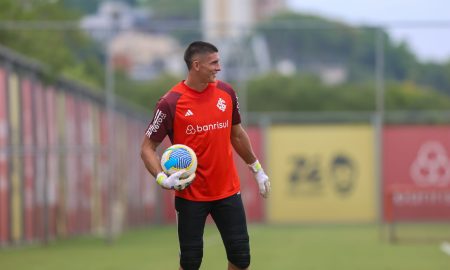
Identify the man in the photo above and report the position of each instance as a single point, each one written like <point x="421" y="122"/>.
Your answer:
<point x="202" y="113"/>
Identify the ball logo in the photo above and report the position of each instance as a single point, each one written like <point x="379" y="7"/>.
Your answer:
<point x="221" y="104"/>
<point x="179" y="158"/>
<point x="431" y="166"/>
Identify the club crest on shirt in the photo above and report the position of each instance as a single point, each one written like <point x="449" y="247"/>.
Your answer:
<point x="221" y="104"/>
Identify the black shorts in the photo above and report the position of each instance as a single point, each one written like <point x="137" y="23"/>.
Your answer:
<point x="227" y="213"/>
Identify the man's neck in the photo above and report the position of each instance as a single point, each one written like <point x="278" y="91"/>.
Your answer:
<point x="198" y="86"/>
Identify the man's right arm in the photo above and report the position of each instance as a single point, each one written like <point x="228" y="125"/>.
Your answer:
<point x="153" y="164"/>
<point x="149" y="157"/>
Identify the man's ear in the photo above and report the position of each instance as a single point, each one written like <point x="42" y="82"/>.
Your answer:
<point x="196" y="65"/>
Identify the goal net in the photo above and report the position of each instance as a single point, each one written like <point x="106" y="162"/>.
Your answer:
<point x="418" y="214"/>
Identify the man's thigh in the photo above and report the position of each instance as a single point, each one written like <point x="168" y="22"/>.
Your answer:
<point x="229" y="216"/>
<point x="191" y="218"/>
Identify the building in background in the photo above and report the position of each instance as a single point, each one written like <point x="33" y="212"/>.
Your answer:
<point x="223" y="19"/>
<point x="143" y="56"/>
<point x="229" y="23"/>
<point x="113" y="16"/>
<point x="134" y="49"/>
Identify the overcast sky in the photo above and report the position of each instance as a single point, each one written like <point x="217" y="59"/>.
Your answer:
<point x="430" y="41"/>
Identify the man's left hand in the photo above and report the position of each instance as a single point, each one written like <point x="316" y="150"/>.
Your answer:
<point x="261" y="179"/>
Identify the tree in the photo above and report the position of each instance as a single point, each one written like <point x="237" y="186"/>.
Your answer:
<point x="68" y="52"/>
<point x="187" y="10"/>
<point x="144" y="94"/>
<point x="274" y="92"/>
<point x="312" y="42"/>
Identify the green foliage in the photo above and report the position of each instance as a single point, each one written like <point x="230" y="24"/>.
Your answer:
<point x="275" y="92"/>
<point x="144" y="94"/>
<point x="173" y="9"/>
<point x="83" y="6"/>
<point x="89" y="6"/>
<point x="69" y="52"/>
<point x="309" y="40"/>
<point x="434" y="74"/>
<point x="184" y="13"/>
<point x="410" y="96"/>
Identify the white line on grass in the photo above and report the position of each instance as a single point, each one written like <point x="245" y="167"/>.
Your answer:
<point x="445" y="247"/>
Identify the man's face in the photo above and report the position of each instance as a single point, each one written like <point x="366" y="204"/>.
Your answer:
<point x="207" y="67"/>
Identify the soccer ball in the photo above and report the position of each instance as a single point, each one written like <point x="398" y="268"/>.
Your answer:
<point x="178" y="157"/>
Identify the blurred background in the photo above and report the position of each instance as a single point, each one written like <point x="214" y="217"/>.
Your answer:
<point x="347" y="104"/>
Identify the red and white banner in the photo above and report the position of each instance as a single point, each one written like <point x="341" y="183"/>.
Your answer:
<point x="52" y="159"/>
<point x="28" y="160"/>
<point x="416" y="173"/>
<point x="87" y="162"/>
<point x="40" y="170"/>
<point x="253" y="202"/>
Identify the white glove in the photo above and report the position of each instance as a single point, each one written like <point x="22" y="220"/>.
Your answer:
<point x="173" y="181"/>
<point x="261" y="178"/>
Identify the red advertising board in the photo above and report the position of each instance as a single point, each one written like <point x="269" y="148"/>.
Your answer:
<point x="104" y="169"/>
<point x="76" y="150"/>
<point x="40" y="170"/>
<point x="52" y="159"/>
<point x="71" y="167"/>
<point x="416" y="173"/>
<point x="29" y="174"/>
<point x="253" y="202"/>
<point x="149" y="187"/>
<point x="87" y="162"/>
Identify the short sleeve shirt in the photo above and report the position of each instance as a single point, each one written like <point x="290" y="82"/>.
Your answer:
<point x="202" y="121"/>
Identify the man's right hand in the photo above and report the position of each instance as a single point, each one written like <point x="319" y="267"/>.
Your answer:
<point x="173" y="181"/>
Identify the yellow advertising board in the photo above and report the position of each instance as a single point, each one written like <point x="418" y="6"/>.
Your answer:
<point x="16" y="167"/>
<point x="321" y="173"/>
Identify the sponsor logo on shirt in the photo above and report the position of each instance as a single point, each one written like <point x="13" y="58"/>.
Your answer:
<point x="194" y="129"/>
<point x="189" y="113"/>
<point x="221" y="104"/>
<point x="156" y="123"/>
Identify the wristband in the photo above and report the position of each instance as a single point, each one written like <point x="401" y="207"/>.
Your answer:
<point x="255" y="166"/>
<point x="160" y="177"/>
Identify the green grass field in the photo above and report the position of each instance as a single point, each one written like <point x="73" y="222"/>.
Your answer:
<point x="356" y="247"/>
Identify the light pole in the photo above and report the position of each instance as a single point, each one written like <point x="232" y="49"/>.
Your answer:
<point x="379" y="119"/>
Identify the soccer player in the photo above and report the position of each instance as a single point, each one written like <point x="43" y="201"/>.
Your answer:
<point x="203" y="113"/>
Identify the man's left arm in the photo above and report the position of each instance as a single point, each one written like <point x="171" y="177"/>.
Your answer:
<point x="242" y="145"/>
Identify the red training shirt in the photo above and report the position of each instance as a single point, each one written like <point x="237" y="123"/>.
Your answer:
<point x="202" y="121"/>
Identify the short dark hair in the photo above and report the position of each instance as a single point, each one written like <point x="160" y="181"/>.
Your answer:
<point x="197" y="47"/>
